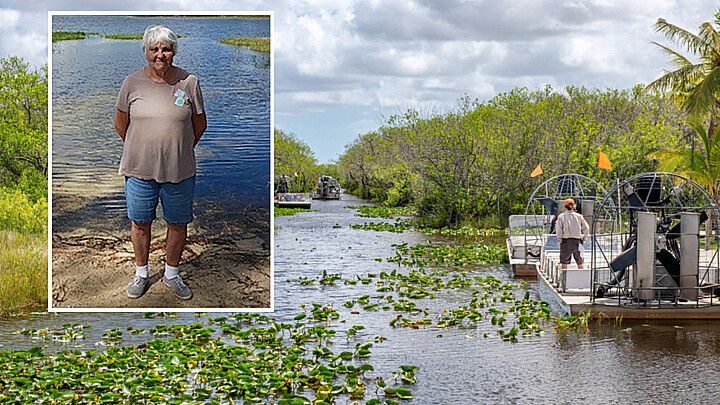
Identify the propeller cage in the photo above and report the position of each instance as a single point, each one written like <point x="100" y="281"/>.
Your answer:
<point x="652" y="240"/>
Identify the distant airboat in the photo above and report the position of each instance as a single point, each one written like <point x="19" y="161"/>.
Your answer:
<point x="286" y="199"/>
<point x="327" y="188"/>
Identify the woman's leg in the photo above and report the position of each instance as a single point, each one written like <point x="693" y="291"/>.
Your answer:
<point x="140" y="236"/>
<point x="177" y="201"/>
<point x="176" y="235"/>
<point x="141" y="196"/>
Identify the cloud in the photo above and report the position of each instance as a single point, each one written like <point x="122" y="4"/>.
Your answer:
<point x="381" y="54"/>
<point x="18" y="36"/>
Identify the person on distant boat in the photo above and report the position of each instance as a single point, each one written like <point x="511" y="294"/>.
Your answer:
<point x="160" y="117"/>
<point x="572" y="230"/>
<point x="283" y="187"/>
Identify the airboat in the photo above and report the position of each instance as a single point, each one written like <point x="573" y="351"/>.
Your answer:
<point x="327" y="188"/>
<point x="530" y="233"/>
<point x="286" y="199"/>
<point x="652" y="252"/>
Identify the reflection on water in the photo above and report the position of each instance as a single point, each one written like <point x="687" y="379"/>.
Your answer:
<point x="233" y="158"/>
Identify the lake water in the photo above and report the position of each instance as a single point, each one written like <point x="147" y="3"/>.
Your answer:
<point x="233" y="157"/>
<point x="636" y="362"/>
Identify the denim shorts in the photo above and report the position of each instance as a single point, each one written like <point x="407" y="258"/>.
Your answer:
<point x="176" y="198"/>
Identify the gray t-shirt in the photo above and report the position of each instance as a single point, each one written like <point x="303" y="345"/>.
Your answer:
<point x="160" y="136"/>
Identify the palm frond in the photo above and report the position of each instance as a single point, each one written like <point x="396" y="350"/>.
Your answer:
<point x="677" y="79"/>
<point x="676" y="58"/>
<point x="711" y="37"/>
<point x="703" y="95"/>
<point x="687" y="39"/>
<point x="701" y="164"/>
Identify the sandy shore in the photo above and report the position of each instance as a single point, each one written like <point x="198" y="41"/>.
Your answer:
<point x="225" y="263"/>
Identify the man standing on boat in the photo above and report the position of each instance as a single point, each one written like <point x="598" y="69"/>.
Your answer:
<point x="571" y="230"/>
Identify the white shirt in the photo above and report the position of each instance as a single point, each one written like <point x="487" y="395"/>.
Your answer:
<point x="570" y="224"/>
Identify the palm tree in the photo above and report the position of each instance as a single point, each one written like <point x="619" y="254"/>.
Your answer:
<point x="702" y="165"/>
<point x="696" y="86"/>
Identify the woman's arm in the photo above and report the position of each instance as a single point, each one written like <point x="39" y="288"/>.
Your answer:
<point x="122" y="121"/>
<point x="199" y="122"/>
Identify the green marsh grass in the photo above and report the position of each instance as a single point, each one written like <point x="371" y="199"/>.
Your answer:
<point x="67" y="35"/>
<point x="257" y="44"/>
<point x="23" y="279"/>
<point x="23" y="251"/>
<point x="124" y="36"/>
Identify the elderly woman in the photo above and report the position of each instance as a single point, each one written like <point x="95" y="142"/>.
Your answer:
<point x="160" y="117"/>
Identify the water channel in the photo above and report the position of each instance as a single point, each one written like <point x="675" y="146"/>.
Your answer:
<point x="635" y="362"/>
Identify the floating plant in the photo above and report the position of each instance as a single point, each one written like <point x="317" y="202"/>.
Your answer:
<point x="370" y="211"/>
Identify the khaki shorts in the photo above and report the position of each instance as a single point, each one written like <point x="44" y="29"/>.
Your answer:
<point x="569" y="247"/>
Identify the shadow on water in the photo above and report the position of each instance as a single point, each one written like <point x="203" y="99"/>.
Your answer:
<point x="72" y="213"/>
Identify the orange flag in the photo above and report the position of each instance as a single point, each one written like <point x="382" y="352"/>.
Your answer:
<point x="536" y="172"/>
<point x="604" y="162"/>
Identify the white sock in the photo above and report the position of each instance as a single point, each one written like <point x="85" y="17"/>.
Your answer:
<point x="142" y="271"/>
<point x="171" y="271"/>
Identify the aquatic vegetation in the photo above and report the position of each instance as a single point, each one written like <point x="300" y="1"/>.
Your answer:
<point x="67" y="35"/>
<point x="398" y="226"/>
<point x="66" y="333"/>
<point x="455" y="255"/>
<point x="491" y="235"/>
<point x="324" y="279"/>
<point x="465" y="231"/>
<point x="281" y="211"/>
<point x="124" y="36"/>
<point x="572" y="322"/>
<point x="71" y="35"/>
<point x="257" y="44"/>
<point x="160" y="315"/>
<point x="373" y="211"/>
<point x="493" y="300"/>
<point x="111" y="338"/>
<point x="196" y="364"/>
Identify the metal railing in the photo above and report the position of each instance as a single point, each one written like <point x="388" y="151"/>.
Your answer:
<point x="664" y="297"/>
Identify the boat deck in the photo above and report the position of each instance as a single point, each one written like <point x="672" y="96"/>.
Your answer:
<point x="612" y="307"/>
<point x="570" y="290"/>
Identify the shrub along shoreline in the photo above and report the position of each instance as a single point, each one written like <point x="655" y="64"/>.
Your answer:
<point x="472" y="165"/>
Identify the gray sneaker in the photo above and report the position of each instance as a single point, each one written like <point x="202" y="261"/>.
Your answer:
<point x="137" y="287"/>
<point x="182" y="291"/>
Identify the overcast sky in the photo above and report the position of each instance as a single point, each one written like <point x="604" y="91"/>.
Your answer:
<point x="341" y="66"/>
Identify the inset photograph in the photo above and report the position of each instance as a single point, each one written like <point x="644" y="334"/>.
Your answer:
<point x="160" y="162"/>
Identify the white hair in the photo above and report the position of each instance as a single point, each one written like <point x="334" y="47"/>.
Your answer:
<point x="158" y="34"/>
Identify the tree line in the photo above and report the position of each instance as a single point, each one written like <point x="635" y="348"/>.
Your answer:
<point x="472" y="165"/>
<point x="23" y="146"/>
<point x="295" y="159"/>
<point x="23" y="127"/>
